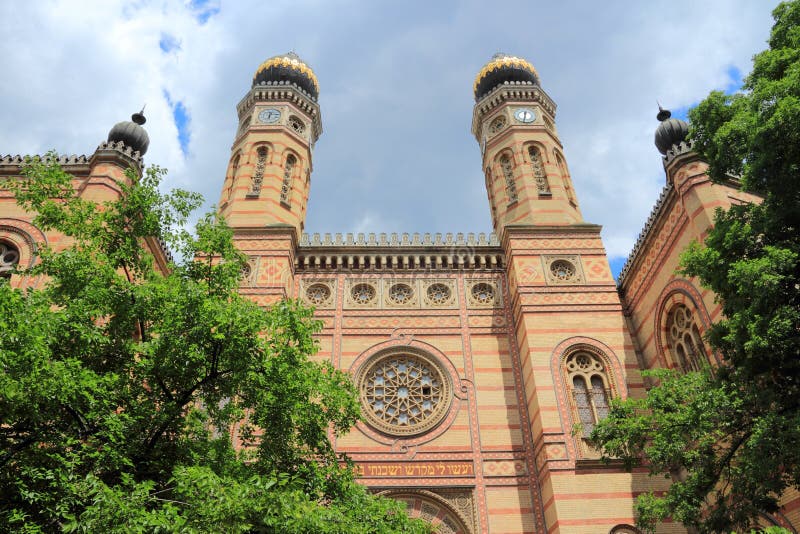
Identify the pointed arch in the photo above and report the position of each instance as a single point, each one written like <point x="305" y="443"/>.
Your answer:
<point x="233" y="170"/>
<point x="681" y="321"/>
<point x="536" y="159"/>
<point x="565" y="178"/>
<point x="505" y="160"/>
<point x="289" y="170"/>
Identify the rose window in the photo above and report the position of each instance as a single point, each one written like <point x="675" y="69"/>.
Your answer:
<point x="9" y="258"/>
<point x="362" y="293"/>
<point x="439" y="293"/>
<point x="318" y="294"/>
<point x="404" y="393"/>
<point x="400" y="293"/>
<point x="562" y="270"/>
<point x="483" y="293"/>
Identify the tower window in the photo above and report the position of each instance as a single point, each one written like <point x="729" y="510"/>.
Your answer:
<point x="539" y="176"/>
<point x="685" y="342"/>
<point x="508" y="173"/>
<point x="286" y="188"/>
<point x="297" y="125"/>
<point x="497" y="124"/>
<point x="562" y="167"/>
<point x="9" y="259"/>
<point x="590" y="389"/>
<point x="258" y="176"/>
<point x="232" y="180"/>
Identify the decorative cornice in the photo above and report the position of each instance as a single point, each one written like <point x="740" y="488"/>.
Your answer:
<point x="645" y="233"/>
<point x="406" y="252"/>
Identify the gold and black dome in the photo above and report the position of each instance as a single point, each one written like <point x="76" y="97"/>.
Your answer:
<point x="287" y="68"/>
<point x="501" y="69"/>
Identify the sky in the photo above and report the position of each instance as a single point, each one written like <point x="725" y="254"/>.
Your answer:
<point x="396" y="153"/>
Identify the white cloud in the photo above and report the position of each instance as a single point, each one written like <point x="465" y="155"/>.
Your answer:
<point x="396" y="99"/>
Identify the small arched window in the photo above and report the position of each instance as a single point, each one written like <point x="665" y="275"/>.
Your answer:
<point x="490" y="191"/>
<point x="539" y="174"/>
<point x="508" y="173"/>
<point x="9" y="259"/>
<point x="684" y="339"/>
<point x="625" y="529"/>
<point x="591" y="389"/>
<point x="232" y="179"/>
<point x="286" y="188"/>
<point x="261" y="163"/>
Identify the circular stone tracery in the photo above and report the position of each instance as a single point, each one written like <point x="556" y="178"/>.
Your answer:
<point x="439" y="293"/>
<point x="318" y="294"/>
<point x="362" y="293"/>
<point x="562" y="270"/>
<point x="483" y="293"/>
<point x="400" y="293"/>
<point x="404" y="393"/>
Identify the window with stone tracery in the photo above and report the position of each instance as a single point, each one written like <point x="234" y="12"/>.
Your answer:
<point x="684" y="339"/>
<point x="404" y="393"/>
<point x="286" y="188"/>
<point x="508" y="173"/>
<point x="539" y="175"/>
<point x="9" y="259"/>
<point x="591" y="390"/>
<point x="258" y="176"/>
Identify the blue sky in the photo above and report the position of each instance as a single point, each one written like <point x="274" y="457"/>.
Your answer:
<point x="395" y="78"/>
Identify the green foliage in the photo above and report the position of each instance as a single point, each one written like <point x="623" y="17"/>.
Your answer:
<point x="729" y="438"/>
<point x="120" y="382"/>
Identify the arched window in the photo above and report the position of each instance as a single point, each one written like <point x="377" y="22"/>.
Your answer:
<point x="508" y="173"/>
<point x="539" y="175"/>
<point x="562" y="167"/>
<point x="232" y="180"/>
<point x="591" y="389"/>
<point x="684" y="339"/>
<point x="286" y="188"/>
<point x="9" y="258"/>
<point x="258" y="175"/>
<point x="490" y="190"/>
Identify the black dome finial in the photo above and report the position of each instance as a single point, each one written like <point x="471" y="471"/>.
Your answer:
<point x="663" y="114"/>
<point x="139" y="118"/>
<point x="670" y="132"/>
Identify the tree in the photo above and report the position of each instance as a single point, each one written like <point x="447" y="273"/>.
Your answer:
<point x="119" y="383"/>
<point x="728" y="436"/>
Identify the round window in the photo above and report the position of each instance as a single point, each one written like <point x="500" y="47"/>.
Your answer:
<point x="401" y="293"/>
<point x="439" y="293"/>
<point x="362" y="293"/>
<point x="483" y="293"/>
<point x="318" y="294"/>
<point x="562" y="270"/>
<point x="404" y="393"/>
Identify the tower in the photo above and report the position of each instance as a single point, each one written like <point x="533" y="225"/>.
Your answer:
<point x="514" y="122"/>
<point x="269" y="171"/>
<point x="265" y="191"/>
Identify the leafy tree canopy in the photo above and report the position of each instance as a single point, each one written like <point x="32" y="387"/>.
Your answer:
<point x="120" y="383"/>
<point x="729" y="436"/>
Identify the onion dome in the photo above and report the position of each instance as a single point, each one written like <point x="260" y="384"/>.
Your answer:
<point x="287" y="68"/>
<point x="670" y="132"/>
<point x="131" y="133"/>
<point x="501" y="69"/>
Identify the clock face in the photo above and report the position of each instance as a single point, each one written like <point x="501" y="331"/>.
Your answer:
<point x="269" y="116"/>
<point x="525" y="115"/>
